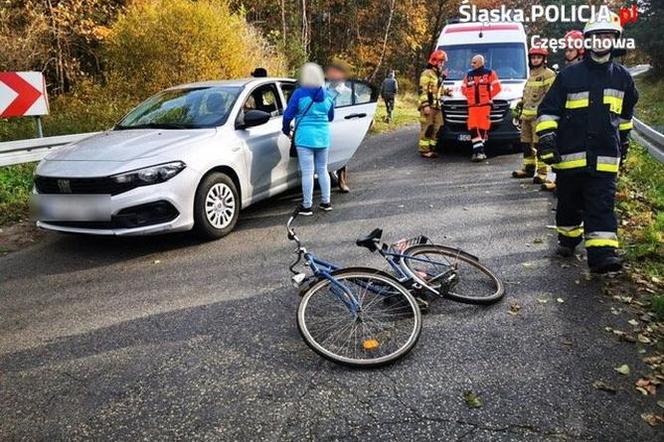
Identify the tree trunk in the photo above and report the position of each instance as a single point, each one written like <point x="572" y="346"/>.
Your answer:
<point x="387" y="32"/>
<point x="283" y="22"/>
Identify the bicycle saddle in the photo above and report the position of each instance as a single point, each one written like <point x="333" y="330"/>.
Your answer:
<point x="370" y="241"/>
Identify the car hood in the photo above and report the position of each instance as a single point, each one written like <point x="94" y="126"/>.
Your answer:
<point x="127" y="145"/>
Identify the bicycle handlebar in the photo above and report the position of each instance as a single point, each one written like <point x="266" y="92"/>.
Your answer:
<point x="293" y="237"/>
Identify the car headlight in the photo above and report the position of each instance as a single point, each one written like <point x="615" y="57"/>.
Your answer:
<point x="150" y="175"/>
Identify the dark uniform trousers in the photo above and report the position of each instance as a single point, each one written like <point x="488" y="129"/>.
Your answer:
<point x="586" y="202"/>
<point x="590" y="108"/>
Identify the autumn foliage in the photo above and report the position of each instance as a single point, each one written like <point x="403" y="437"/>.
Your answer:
<point x="157" y="44"/>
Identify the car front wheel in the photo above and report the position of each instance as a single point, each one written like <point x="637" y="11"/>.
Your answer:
<point x="216" y="206"/>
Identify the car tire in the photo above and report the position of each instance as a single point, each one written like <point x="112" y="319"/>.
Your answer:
<point x="216" y="206"/>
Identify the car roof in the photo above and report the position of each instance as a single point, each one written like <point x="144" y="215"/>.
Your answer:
<point x="238" y="82"/>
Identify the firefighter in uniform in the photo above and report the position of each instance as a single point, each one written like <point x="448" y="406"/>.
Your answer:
<point x="431" y="91"/>
<point x="479" y="87"/>
<point x="574" y="51"/>
<point x="540" y="80"/>
<point x="583" y="125"/>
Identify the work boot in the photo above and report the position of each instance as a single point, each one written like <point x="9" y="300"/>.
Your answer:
<point x="478" y="156"/>
<point x="564" y="251"/>
<point x="343" y="180"/>
<point x="426" y="154"/>
<point x="549" y="186"/>
<point x="539" y="179"/>
<point x="611" y="263"/>
<point x="522" y="173"/>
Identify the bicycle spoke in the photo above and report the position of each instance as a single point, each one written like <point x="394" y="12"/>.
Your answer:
<point x="385" y="325"/>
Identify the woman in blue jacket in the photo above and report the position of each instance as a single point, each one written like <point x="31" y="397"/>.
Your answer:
<point x="312" y="108"/>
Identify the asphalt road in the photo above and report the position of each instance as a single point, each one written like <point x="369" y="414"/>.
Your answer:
<point x="169" y="338"/>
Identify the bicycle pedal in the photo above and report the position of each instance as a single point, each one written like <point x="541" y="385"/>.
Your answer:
<point x="298" y="279"/>
<point x="423" y="304"/>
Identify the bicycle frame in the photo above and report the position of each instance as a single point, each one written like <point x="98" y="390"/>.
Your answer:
<point x="409" y="279"/>
<point x="322" y="269"/>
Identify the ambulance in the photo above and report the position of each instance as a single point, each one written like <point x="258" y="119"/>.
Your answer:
<point x="505" y="49"/>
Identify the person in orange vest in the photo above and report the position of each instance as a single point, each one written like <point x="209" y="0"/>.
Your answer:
<point x="479" y="87"/>
<point x="574" y="51"/>
<point x="431" y="91"/>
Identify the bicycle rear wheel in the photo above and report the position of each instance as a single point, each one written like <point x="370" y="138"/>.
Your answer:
<point x="385" y="328"/>
<point x="453" y="274"/>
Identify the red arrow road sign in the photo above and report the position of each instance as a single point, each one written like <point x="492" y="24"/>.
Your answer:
<point x="27" y="95"/>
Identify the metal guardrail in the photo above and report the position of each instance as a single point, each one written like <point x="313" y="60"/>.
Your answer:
<point x="34" y="149"/>
<point x="644" y="134"/>
<point x="650" y="138"/>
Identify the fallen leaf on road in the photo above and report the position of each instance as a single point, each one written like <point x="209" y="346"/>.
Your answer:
<point x="514" y="309"/>
<point x="542" y="300"/>
<point x="538" y="241"/>
<point x="600" y="385"/>
<point x="560" y="300"/>
<point x="633" y="322"/>
<point x="564" y="266"/>
<point x="623" y="369"/>
<point x="652" y="419"/>
<point x="527" y="264"/>
<point x="618" y="332"/>
<point x="646" y="386"/>
<point x="643" y="339"/>
<point x="660" y="404"/>
<point x="156" y="261"/>
<point x="472" y="400"/>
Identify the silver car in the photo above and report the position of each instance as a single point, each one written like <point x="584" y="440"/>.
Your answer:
<point x="191" y="156"/>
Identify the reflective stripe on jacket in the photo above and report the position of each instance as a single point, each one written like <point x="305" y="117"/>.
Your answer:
<point x="590" y="105"/>
<point x="480" y="86"/>
<point x="430" y="89"/>
<point x="538" y="84"/>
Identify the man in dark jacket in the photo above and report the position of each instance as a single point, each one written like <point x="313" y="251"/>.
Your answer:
<point x="583" y="125"/>
<point x="388" y="91"/>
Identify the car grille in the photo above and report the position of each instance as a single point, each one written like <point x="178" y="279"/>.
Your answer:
<point x="104" y="185"/>
<point x="456" y="111"/>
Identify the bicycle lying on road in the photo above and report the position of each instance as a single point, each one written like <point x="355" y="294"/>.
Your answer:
<point x="365" y="317"/>
<point x="425" y="269"/>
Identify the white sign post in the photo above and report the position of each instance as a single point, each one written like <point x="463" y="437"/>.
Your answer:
<point x="23" y="94"/>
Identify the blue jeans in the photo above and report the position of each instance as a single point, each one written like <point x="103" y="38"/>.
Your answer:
<point x="310" y="160"/>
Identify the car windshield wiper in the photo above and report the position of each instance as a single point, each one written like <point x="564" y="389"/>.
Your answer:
<point x="159" y="126"/>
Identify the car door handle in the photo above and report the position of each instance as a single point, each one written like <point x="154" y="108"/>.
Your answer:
<point x="348" y="117"/>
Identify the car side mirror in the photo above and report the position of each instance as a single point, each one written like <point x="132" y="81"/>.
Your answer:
<point x="254" y="118"/>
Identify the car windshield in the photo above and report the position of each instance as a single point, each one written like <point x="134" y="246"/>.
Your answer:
<point x="507" y="59"/>
<point x="187" y="108"/>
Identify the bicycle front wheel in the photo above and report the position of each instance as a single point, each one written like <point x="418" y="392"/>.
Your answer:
<point x="361" y="318"/>
<point x="453" y="274"/>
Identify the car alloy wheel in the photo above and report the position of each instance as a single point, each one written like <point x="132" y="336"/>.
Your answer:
<point x="220" y="205"/>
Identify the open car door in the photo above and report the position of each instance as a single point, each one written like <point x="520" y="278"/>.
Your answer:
<point x="355" y="105"/>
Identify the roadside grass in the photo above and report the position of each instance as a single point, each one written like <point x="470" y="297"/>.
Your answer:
<point x="405" y="113"/>
<point x="15" y="187"/>
<point x="640" y="202"/>
<point x="650" y="107"/>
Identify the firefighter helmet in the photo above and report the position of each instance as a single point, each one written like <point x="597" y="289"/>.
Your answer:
<point x="571" y="38"/>
<point x="604" y="24"/>
<point x="438" y="56"/>
<point x="536" y="50"/>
